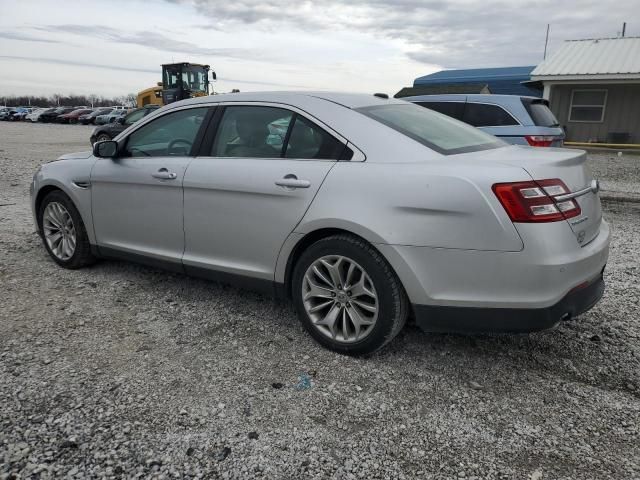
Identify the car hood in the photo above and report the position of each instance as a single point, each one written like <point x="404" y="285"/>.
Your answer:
<point x="75" y="156"/>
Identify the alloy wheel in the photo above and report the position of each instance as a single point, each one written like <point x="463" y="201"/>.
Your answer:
<point x="59" y="231"/>
<point x="340" y="298"/>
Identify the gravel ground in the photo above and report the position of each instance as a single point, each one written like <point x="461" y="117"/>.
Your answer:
<point x="121" y="371"/>
<point x="618" y="174"/>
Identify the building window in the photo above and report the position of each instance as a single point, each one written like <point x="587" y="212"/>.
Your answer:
<point x="587" y="106"/>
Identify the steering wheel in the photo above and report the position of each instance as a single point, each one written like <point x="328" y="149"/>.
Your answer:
<point x="173" y="142"/>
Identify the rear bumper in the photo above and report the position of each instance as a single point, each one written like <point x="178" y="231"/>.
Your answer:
<point x="548" y="268"/>
<point x="434" y="318"/>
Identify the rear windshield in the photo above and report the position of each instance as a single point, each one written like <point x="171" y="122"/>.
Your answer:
<point x="439" y="132"/>
<point x="540" y="113"/>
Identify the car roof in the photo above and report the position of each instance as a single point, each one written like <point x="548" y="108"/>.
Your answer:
<point x="348" y="100"/>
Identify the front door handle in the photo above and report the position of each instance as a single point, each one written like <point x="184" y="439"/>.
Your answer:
<point x="164" y="174"/>
<point x="291" y="181"/>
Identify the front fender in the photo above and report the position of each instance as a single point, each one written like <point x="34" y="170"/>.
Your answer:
<point x="71" y="177"/>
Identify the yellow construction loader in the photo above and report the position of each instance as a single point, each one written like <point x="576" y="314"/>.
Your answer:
<point x="179" y="81"/>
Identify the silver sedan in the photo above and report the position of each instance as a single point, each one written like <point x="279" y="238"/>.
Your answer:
<point x="365" y="211"/>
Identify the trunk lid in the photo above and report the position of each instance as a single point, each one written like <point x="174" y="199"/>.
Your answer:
<point x="569" y="166"/>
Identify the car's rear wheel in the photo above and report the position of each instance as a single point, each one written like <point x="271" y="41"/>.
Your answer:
<point x="347" y="296"/>
<point x="63" y="232"/>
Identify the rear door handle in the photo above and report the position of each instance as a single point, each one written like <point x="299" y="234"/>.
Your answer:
<point x="164" y="174"/>
<point x="291" y="181"/>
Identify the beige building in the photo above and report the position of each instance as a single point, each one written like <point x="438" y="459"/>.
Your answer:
<point x="593" y="87"/>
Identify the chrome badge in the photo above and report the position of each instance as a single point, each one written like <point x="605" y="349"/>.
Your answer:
<point x="581" y="236"/>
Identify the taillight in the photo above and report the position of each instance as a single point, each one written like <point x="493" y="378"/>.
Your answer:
<point x="533" y="201"/>
<point x="539" y="140"/>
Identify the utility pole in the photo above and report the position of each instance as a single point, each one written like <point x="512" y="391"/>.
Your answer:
<point x="546" y="41"/>
<point x="624" y="28"/>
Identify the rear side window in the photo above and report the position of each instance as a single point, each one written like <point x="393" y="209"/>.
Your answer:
<point x="307" y="141"/>
<point x="451" y="109"/>
<point x="254" y="132"/>
<point x="439" y="132"/>
<point x="269" y="132"/>
<point x="484" y="115"/>
<point x="540" y="113"/>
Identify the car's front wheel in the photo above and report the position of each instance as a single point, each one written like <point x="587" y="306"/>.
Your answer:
<point x="63" y="232"/>
<point x="102" y="137"/>
<point x="347" y="296"/>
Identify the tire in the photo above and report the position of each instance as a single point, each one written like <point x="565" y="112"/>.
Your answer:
<point x="390" y="302"/>
<point x="81" y="255"/>
<point x="102" y="137"/>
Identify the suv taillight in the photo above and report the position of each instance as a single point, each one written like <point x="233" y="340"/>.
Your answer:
<point x="539" y="140"/>
<point x="533" y="201"/>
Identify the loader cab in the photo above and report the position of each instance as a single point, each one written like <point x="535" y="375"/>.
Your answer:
<point x="184" y="80"/>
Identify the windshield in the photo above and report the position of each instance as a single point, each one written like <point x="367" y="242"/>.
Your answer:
<point x="191" y="78"/>
<point x="540" y="113"/>
<point x="437" y="131"/>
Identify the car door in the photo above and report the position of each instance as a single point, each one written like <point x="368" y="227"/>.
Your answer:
<point x="137" y="197"/>
<point x="251" y="187"/>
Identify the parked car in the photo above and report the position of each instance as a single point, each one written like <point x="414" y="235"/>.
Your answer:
<point x="515" y="119"/>
<point x="72" y="117"/>
<point x="17" y="113"/>
<point x="364" y="211"/>
<point x="122" y="122"/>
<point x="110" y="117"/>
<point x="52" y="115"/>
<point x="35" y="115"/>
<point x="89" y="118"/>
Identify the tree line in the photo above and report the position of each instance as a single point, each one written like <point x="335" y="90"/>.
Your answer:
<point x="58" y="99"/>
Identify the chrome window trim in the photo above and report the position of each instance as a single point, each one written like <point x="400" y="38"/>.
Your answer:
<point x="358" y="155"/>
<point x="150" y="117"/>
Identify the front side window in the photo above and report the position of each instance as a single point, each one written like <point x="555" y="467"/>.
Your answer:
<point x="587" y="105"/>
<point x="439" y="132"/>
<point x="172" y="134"/>
<point x="484" y="115"/>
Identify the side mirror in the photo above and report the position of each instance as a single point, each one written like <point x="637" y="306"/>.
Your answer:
<point x="213" y="75"/>
<point x="105" y="149"/>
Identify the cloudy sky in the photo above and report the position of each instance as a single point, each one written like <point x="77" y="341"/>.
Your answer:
<point x="115" y="47"/>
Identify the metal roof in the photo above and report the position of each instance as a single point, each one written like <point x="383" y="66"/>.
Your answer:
<point x="476" y="75"/>
<point x="607" y="57"/>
